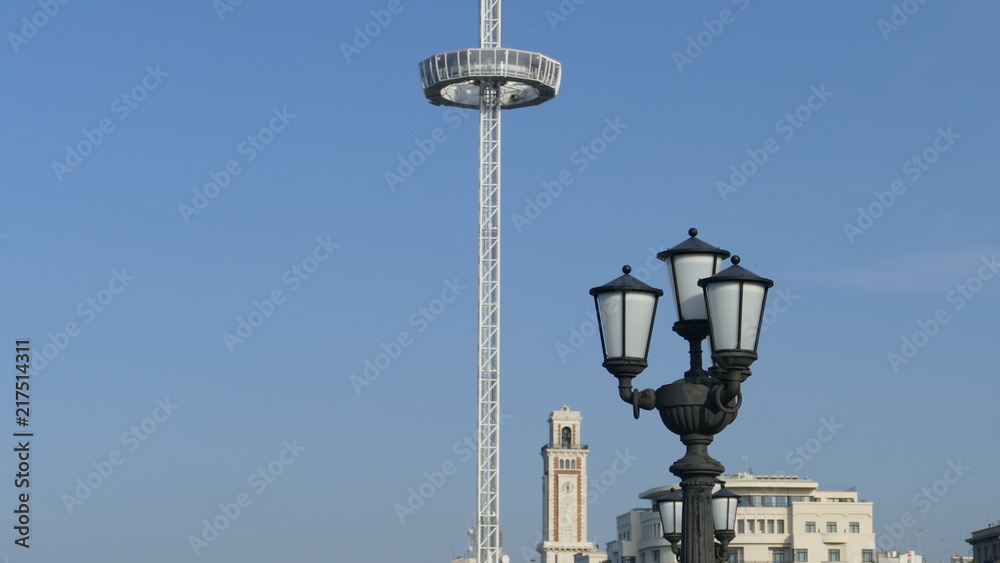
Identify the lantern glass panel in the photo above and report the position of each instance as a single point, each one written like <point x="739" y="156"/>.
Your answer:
<point x="686" y="270"/>
<point x="724" y="299"/>
<point x="753" y="309"/>
<point x="639" y="309"/>
<point x="611" y="310"/>
<point x="724" y="512"/>
<point x="670" y="516"/>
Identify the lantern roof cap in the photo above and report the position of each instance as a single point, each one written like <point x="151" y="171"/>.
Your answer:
<point x="692" y="245"/>
<point x="626" y="282"/>
<point x="736" y="273"/>
<point x="671" y="495"/>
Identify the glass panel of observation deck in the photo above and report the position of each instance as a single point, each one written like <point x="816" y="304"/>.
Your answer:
<point x="525" y="64"/>
<point x="475" y="62"/>
<point x="428" y="72"/>
<point x="489" y="60"/>
<point x="515" y="64"/>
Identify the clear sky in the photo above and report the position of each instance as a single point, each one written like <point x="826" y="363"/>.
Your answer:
<point x="200" y="242"/>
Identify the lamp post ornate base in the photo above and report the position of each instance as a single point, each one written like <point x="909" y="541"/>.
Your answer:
<point x="694" y="409"/>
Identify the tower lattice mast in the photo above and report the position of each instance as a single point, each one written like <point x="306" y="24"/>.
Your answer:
<point x="489" y="79"/>
<point x="488" y="479"/>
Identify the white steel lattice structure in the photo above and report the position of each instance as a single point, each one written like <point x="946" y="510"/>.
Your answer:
<point x="489" y="79"/>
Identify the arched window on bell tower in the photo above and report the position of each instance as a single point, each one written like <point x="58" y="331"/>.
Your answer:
<point x="567" y="436"/>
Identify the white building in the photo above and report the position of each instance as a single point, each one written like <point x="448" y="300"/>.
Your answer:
<point x="564" y="493"/>
<point x="781" y="519"/>
<point x="898" y="557"/>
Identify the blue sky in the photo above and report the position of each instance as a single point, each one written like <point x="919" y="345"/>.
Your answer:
<point x="874" y="213"/>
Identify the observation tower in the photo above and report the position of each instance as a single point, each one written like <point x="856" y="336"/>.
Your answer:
<point x="489" y="79"/>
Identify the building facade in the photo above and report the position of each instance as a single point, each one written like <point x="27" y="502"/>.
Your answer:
<point x="986" y="544"/>
<point x="564" y="490"/>
<point x="898" y="557"/>
<point x="781" y="519"/>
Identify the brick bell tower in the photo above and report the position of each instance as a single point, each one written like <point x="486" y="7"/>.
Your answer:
<point x="564" y="490"/>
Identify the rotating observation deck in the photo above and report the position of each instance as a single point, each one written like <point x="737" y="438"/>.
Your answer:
<point x="521" y="78"/>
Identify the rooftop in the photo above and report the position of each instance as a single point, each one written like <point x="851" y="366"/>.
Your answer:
<point x="741" y="482"/>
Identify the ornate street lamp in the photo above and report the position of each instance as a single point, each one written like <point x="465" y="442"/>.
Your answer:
<point x="702" y="403"/>
<point x="687" y="263"/>
<point x="724" y="503"/>
<point x="735" y="299"/>
<point x="626" y="307"/>
<point x="670" y="507"/>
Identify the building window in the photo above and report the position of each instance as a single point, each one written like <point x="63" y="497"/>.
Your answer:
<point x="567" y="435"/>
<point x="855" y="528"/>
<point x="810" y="527"/>
<point x="750" y="522"/>
<point x="801" y="555"/>
<point x="833" y="555"/>
<point x="831" y="528"/>
<point x="777" y="556"/>
<point x="656" y="556"/>
<point x="867" y="555"/>
<point x="781" y="526"/>
<point x="775" y="501"/>
<point x="770" y="526"/>
<point x="760" y="526"/>
<point x="735" y="555"/>
<point x="740" y="527"/>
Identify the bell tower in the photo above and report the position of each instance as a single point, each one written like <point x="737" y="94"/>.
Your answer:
<point x="564" y="490"/>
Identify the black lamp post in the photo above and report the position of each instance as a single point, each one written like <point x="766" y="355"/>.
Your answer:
<point x="726" y="306"/>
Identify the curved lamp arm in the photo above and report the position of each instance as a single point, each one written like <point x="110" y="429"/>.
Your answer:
<point x="722" y="547"/>
<point x="645" y="399"/>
